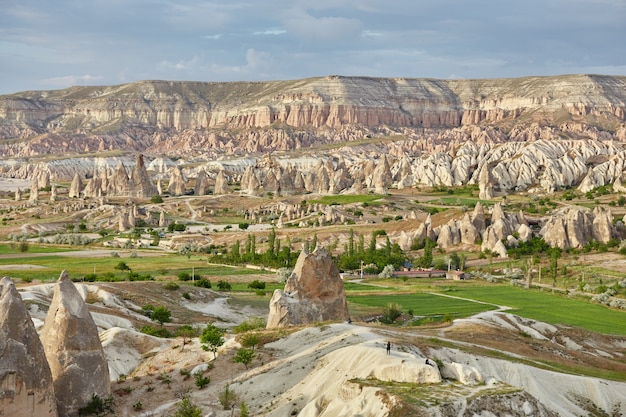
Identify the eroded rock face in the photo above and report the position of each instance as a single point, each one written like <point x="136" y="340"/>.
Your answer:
<point x="25" y="377"/>
<point x="313" y="293"/>
<point x="73" y="349"/>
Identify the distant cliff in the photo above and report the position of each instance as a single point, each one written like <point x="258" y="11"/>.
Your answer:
<point x="241" y="117"/>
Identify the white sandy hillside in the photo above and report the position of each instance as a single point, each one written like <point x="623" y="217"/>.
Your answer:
<point x="312" y="378"/>
<point x="560" y="392"/>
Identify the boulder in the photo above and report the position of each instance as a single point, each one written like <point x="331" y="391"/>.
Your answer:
<point x="25" y="377"/>
<point x="313" y="293"/>
<point x="525" y="232"/>
<point x="73" y="349"/>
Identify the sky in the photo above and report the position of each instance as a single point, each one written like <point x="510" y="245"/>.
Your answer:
<point x="54" y="44"/>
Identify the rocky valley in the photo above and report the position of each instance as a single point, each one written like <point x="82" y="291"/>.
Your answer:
<point x="514" y="183"/>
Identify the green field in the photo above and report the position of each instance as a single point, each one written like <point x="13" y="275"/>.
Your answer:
<point x="167" y="265"/>
<point x="12" y="249"/>
<point x="423" y="304"/>
<point x="547" y="307"/>
<point x="347" y="199"/>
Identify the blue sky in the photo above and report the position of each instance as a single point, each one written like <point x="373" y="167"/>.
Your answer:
<point x="46" y="44"/>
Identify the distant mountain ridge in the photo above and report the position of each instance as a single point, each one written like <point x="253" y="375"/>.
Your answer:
<point x="159" y="114"/>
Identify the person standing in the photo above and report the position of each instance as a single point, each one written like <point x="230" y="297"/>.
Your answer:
<point x="388" y="348"/>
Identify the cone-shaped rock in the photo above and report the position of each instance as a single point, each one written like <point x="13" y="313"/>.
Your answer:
<point x="221" y="184"/>
<point x="141" y="181"/>
<point x="202" y="183"/>
<point x="73" y="349"/>
<point x="314" y="292"/>
<point x="176" y="185"/>
<point x="25" y="376"/>
<point x="76" y="188"/>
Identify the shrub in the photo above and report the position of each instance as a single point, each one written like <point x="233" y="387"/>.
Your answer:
<point x="184" y="276"/>
<point x="201" y="381"/>
<point x="247" y="325"/>
<point x="161" y="315"/>
<point x="185" y="408"/>
<point x="97" y="406"/>
<point x="250" y="340"/>
<point x="391" y="312"/>
<point x="171" y="285"/>
<point x="223" y="285"/>
<point x="122" y="266"/>
<point x="228" y="398"/>
<point x="160" y="332"/>
<point x="283" y="273"/>
<point x="203" y="283"/>
<point x="244" y="356"/>
<point x="156" y="199"/>
<point x="256" y="284"/>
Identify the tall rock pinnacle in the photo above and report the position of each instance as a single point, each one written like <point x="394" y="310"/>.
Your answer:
<point x="72" y="345"/>
<point x="25" y="376"/>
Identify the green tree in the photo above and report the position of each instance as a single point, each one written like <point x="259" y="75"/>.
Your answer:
<point x="212" y="338"/>
<point x="122" y="266"/>
<point x="185" y="408"/>
<point x="244" y="356"/>
<point x="187" y="332"/>
<point x="161" y="315"/>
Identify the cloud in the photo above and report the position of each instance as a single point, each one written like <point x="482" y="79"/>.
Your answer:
<point x="71" y="80"/>
<point x="270" y="32"/>
<point x="190" y="65"/>
<point x="328" y="28"/>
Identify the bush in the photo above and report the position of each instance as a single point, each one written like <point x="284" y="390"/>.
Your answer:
<point x="171" y="285"/>
<point x="156" y="199"/>
<point x="97" y="406"/>
<point x="283" y="273"/>
<point x="122" y="266"/>
<point x="252" y="323"/>
<point x="184" y="276"/>
<point x="203" y="283"/>
<point x="391" y="312"/>
<point x="224" y="286"/>
<point x="244" y="356"/>
<point x="201" y="381"/>
<point x="256" y="284"/>
<point x="160" y="332"/>
<point x="186" y="408"/>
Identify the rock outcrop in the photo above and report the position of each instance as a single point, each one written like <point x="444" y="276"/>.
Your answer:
<point x="25" y="378"/>
<point x="73" y="349"/>
<point x="313" y="293"/>
<point x="176" y="185"/>
<point x="202" y="183"/>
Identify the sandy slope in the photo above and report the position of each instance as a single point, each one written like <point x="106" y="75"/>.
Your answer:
<point x="320" y="370"/>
